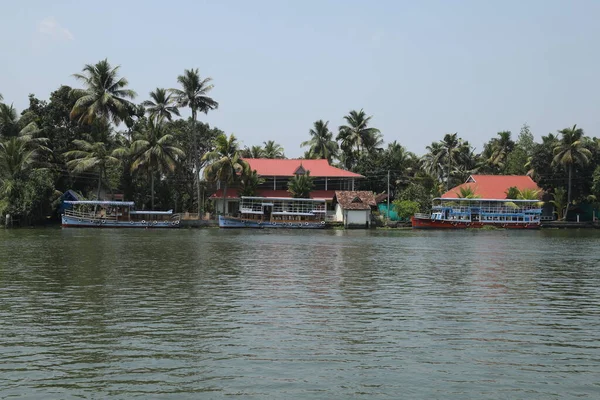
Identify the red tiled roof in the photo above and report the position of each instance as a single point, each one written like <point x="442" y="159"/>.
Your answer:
<point x="287" y="167"/>
<point x="493" y="186"/>
<point x="315" y="194"/>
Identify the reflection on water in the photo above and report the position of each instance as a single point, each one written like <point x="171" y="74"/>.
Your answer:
<point x="332" y="314"/>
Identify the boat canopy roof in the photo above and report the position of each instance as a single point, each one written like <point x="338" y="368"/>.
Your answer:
<point x="152" y="212"/>
<point x="282" y="199"/>
<point x="101" y="202"/>
<point x="482" y="200"/>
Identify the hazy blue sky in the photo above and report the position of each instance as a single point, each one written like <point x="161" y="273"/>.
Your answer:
<point x="421" y="68"/>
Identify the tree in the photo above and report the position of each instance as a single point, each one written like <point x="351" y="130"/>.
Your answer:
<point x="161" y="105"/>
<point x="560" y="203"/>
<point x="225" y="163"/>
<point x="570" y="151"/>
<point x="501" y="147"/>
<point x="8" y="121"/>
<point x="517" y="161"/>
<point x="466" y="192"/>
<point x="321" y="143"/>
<point x="194" y="94"/>
<point x="249" y="183"/>
<point x="92" y="156"/>
<point x="528" y="194"/>
<point x="300" y="186"/>
<point x="356" y="136"/>
<point x="154" y="151"/>
<point x="105" y="96"/>
<point x="512" y="192"/>
<point x="273" y="150"/>
<point x="406" y="208"/>
<point x="253" y="152"/>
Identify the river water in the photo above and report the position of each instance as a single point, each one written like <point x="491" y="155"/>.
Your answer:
<point x="188" y="314"/>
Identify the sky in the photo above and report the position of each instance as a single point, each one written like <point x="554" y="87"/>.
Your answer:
<point x="420" y="68"/>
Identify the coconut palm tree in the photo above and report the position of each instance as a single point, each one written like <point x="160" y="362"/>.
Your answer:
<point x="559" y="203"/>
<point x="321" y="143"/>
<point x="432" y="161"/>
<point x="154" y="151"/>
<point x="249" y="183"/>
<point x="500" y="148"/>
<point x="253" y="152"/>
<point x="300" y="186"/>
<point x="161" y="105"/>
<point x="273" y="150"/>
<point x="194" y="94"/>
<point x="8" y="120"/>
<point x="92" y="156"/>
<point x="467" y="192"/>
<point x="225" y="164"/>
<point x="105" y="96"/>
<point x="356" y="132"/>
<point x="570" y="151"/>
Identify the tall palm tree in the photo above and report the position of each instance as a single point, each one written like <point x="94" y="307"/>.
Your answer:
<point x="105" y="96"/>
<point x="225" y="163"/>
<point x="253" y="152"/>
<point x="1" y="97"/>
<point x="92" y="156"/>
<point x="451" y="150"/>
<point x="321" y="142"/>
<point x="161" y="105"/>
<point x="433" y="159"/>
<point x="357" y="133"/>
<point x="500" y="148"/>
<point x="273" y="150"/>
<point x="154" y="151"/>
<point x="569" y="151"/>
<point x="194" y="94"/>
<point x="8" y="120"/>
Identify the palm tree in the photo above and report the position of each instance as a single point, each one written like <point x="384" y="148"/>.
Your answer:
<point x="558" y="200"/>
<point x="104" y="97"/>
<point x="92" y="156"/>
<point x="8" y="120"/>
<point x="273" y="150"/>
<point x="357" y="133"/>
<point x="249" y="183"/>
<point x="154" y="151"/>
<point x="433" y="159"/>
<point x="569" y="151"/>
<point x="253" y="152"/>
<point x="194" y="94"/>
<point x="300" y="186"/>
<point x="161" y="105"/>
<point x="500" y="148"/>
<point x="225" y="163"/>
<point x="321" y="142"/>
<point x="528" y="194"/>
<point x="467" y="192"/>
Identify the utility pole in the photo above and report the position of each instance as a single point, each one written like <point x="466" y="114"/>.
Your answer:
<point x="388" y="197"/>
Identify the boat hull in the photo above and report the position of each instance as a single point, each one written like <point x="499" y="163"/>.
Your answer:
<point x="73" y="222"/>
<point x="428" y="223"/>
<point x="232" y="222"/>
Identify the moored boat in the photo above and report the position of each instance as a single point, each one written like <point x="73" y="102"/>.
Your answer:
<point x="115" y="214"/>
<point x="460" y="213"/>
<point x="277" y="212"/>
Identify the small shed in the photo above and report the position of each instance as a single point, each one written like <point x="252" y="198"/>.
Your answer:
<point x="353" y="208"/>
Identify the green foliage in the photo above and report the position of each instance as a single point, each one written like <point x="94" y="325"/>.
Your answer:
<point x="596" y="182"/>
<point x="417" y="193"/>
<point x="321" y="142"/>
<point x="249" y="183"/>
<point x="559" y="200"/>
<point x="300" y="186"/>
<point x="406" y="208"/>
<point x="272" y="150"/>
<point x="105" y="96"/>
<point x="512" y="192"/>
<point x="467" y="192"/>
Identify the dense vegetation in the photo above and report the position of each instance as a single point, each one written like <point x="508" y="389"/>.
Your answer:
<point x="96" y="140"/>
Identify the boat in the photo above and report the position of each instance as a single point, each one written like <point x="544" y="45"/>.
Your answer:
<point x="276" y="212"/>
<point x="115" y="214"/>
<point x="463" y="213"/>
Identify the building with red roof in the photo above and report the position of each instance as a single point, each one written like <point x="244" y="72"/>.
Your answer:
<point x="276" y="174"/>
<point x="492" y="186"/>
